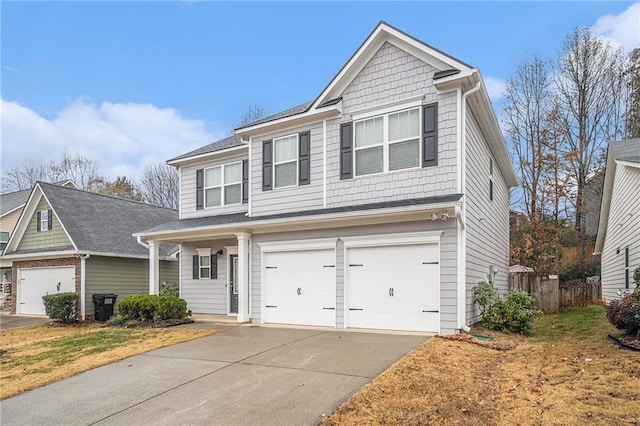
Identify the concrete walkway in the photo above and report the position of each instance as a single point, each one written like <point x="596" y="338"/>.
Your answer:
<point x="243" y="375"/>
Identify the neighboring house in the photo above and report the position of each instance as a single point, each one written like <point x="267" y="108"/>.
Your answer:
<point x="618" y="241"/>
<point x="380" y="204"/>
<point x="72" y="240"/>
<point x="11" y="205"/>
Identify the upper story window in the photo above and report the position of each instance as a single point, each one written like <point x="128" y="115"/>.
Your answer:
<point x="4" y="239"/>
<point x="223" y="185"/>
<point x="44" y="220"/>
<point x="285" y="161"/>
<point x="387" y="142"/>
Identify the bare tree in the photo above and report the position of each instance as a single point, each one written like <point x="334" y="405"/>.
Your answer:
<point x="121" y="188"/>
<point x="527" y="105"/>
<point x="632" y="116"/>
<point x="251" y="114"/>
<point x="160" y="185"/>
<point x="80" y="169"/>
<point x="587" y="101"/>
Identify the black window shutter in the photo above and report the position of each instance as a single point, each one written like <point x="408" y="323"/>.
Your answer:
<point x="346" y="150"/>
<point x="199" y="189"/>
<point x="49" y="219"/>
<point x="304" y="156"/>
<point x="196" y="267"/>
<point x="491" y="189"/>
<point x="38" y="222"/>
<point x="214" y="266"/>
<point x="430" y="135"/>
<point x="267" y="165"/>
<point x="245" y="181"/>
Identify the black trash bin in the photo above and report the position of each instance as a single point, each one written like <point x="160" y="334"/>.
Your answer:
<point x="104" y="303"/>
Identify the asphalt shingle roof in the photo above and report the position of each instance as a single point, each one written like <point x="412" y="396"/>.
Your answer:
<point x="200" y="222"/>
<point x="626" y="150"/>
<point x="105" y="224"/>
<point x="282" y="114"/>
<point x="12" y="200"/>
<point x="229" y="142"/>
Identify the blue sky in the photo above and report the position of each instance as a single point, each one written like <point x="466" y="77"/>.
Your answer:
<point x="135" y="83"/>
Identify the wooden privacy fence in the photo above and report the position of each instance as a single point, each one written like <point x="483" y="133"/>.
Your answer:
<point x="550" y="295"/>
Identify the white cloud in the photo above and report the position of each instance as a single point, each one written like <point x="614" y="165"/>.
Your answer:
<point x="495" y="87"/>
<point x="122" y="138"/>
<point x="622" y="29"/>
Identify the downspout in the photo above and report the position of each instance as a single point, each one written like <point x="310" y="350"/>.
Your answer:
<point x="83" y="285"/>
<point x="462" y="232"/>
<point x="142" y="243"/>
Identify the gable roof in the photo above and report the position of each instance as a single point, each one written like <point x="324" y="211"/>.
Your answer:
<point x="226" y="143"/>
<point x="96" y="223"/>
<point x="626" y="152"/>
<point x="14" y="200"/>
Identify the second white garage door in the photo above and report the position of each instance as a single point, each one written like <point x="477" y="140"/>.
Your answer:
<point x="300" y="287"/>
<point x="393" y="287"/>
<point x="33" y="283"/>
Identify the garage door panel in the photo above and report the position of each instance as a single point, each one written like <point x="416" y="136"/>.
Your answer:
<point x="393" y="287"/>
<point x="36" y="282"/>
<point x="300" y="287"/>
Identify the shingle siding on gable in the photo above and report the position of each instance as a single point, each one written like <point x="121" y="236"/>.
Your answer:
<point x="188" y="188"/>
<point x="32" y="239"/>
<point x="295" y="198"/>
<point x="393" y="75"/>
<point x="487" y="221"/>
<point x="622" y="231"/>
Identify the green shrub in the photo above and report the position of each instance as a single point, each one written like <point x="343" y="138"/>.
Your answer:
<point x="170" y="289"/>
<point x="145" y="307"/>
<point x="61" y="307"/>
<point x="486" y="295"/>
<point x="636" y="276"/>
<point x="515" y="313"/>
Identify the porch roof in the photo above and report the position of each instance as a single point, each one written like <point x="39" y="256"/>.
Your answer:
<point x="210" y="222"/>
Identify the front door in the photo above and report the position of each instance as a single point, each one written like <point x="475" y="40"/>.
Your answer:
<point x="233" y="284"/>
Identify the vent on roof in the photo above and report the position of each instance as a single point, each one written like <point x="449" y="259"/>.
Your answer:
<point x="445" y="73"/>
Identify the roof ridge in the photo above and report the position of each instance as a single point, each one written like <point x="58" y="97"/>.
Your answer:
<point x="105" y="195"/>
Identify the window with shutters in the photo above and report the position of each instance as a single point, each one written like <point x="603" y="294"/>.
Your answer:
<point x="491" y="179"/>
<point x="44" y="220"/>
<point x="205" y="266"/>
<point x="387" y="142"/>
<point x="223" y="185"/>
<point x="627" y="269"/>
<point x="285" y="161"/>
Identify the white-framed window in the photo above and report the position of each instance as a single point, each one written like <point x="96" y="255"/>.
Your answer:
<point x="285" y="161"/>
<point x="205" y="266"/>
<point x="387" y="142"/>
<point x="4" y="239"/>
<point x="44" y="220"/>
<point x="223" y="185"/>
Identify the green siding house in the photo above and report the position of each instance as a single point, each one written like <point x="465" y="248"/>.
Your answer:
<point x="72" y="240"/>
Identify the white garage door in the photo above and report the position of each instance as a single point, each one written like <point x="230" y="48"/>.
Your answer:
<point x="33" y="283"/>
<point x="300" y="287"/>
<point x="393" y="287"/>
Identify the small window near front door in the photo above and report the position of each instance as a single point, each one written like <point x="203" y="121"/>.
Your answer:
<point x="233" y="284"/>
<point x="205" y="266"/>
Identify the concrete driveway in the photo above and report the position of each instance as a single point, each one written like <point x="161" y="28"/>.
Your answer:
<point x="243" y="375"/>
<point x="8" y="321"/>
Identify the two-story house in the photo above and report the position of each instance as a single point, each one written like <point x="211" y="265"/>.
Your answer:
<point x="379" y="205"/>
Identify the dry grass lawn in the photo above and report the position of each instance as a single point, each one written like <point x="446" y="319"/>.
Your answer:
<point x="568" y="374"/>
<point x="34" y="356"/>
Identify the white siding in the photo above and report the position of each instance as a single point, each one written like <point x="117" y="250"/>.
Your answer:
<point x="623" y="230"/>
<point x="487" y="221"/>
<point x="393" y="75"/>
<point x="295" y="198"/>
<point x="205" y="296"/>
<point x="448" y="263"/>
<point x="188" y="187"/>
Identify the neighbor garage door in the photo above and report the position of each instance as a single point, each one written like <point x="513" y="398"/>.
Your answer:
<point x="300" y="287"/>
<point x="393" y="287"/>
<point x="33" y="283"/>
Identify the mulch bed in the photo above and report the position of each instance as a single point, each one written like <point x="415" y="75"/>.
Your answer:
<point x="626" y="341"/>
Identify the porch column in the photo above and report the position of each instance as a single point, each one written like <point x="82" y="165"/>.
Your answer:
<point x="243" y="276"/>
<point x="154" y="267"/>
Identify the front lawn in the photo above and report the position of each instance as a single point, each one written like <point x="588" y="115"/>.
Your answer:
<point x="34" y="356"/>
<point x="568" y="373"/>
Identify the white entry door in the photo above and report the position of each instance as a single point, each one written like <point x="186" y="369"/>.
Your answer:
<point x="300" y="287"/>
<point x="33" y="283"/>
<point x="393" y="287"/>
